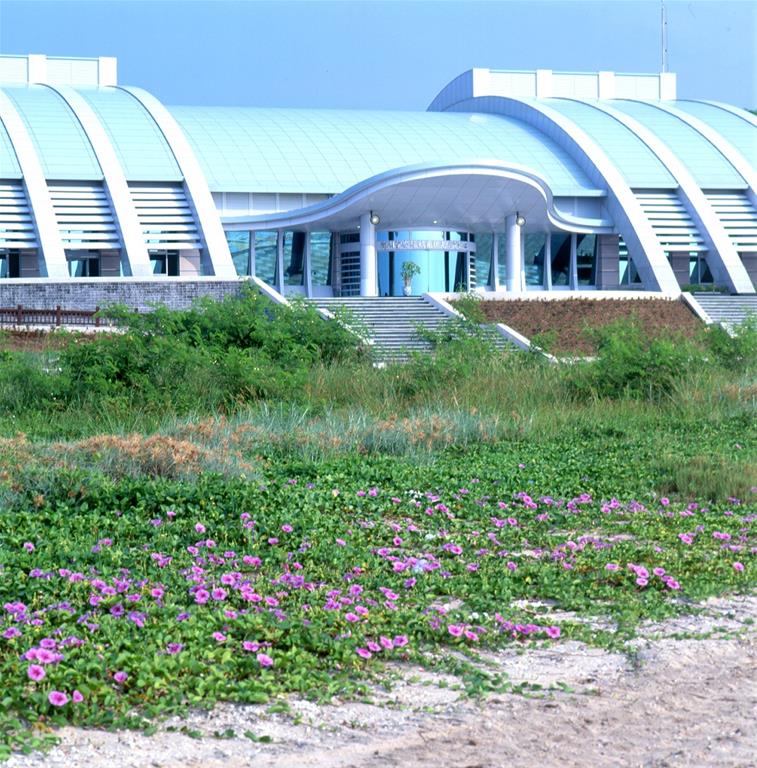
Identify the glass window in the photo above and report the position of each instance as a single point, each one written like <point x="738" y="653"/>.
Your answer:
<point x="560" y="260"/>
<point x="699" y="270"/>
<point x="321" y="248"/>
<point x="502" y="258"/>
<point x="239" y="245"/>
<point x="10" y="263"/>
<point x="294" y="257"/>
<point x="586" y="259"/>
<point x="484" y="245"/>
<point x="265" y="256"/>
<point x="352" y="237"/>
<point x="533" y="258"/>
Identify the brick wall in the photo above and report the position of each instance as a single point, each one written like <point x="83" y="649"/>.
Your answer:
<point x="135" y="293"/>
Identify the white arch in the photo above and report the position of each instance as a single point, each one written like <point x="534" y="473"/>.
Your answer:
<point x="746" y="116"/>
<point x="216" y="247"/>
<point x="52" y="257"/>
<point x="724" y="260"/>
<point x="743" y="167"/>
<point x="135" y="259"/>
<point x="625" y="209"/>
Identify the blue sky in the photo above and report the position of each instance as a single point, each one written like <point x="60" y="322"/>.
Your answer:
<point x="360" y="54"/>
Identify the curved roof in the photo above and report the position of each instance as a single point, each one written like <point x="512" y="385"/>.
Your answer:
<point x="640" y="167"/>
<point x="737" y="130"/>
<point x="322" y="150"/>
<point x="708" y="166"/>
<point x="61" y="144"/>
<point x="139" y="144"/>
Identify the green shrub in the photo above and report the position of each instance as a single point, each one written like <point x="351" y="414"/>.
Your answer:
<point x="734" y="349"/>
<point x="631" y="363"/>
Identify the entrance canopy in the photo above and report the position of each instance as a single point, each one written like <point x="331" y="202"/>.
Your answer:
<point x="475" y="195"/>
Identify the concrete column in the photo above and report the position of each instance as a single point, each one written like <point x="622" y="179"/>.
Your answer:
<point x="548" y="262"/>
<point x="368" y="279"/>
<point x="513" y="256"/>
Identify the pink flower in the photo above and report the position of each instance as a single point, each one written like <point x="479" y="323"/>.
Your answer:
<point x="218" y="594"/>
<point x="658" y="571"/>
<point x="201" y="596"/>
<point x="553" y="632"/>
<point x="287" y="528"/>
<point x="77" y="697"/>
<point x="264" y="660"/>
<point x="35" y="672"/>
<point x="455" y="630"/>
<point x="400" y="641"/>
<point x="248" y="645"/>
<point x="351" y="617"/>
<point x="174" y="648"/>
<point x="120" y="677"/>
<point x="612" y="567"/>
<point x="386" y="642"/>
<point x="363" y="653"/>
<point x="737" y="566"/>
<point x="219" y="637"/>
<point x="642" y="582"/>
<point x="57" y="698"/>
<point x="664" y="501"/>
<point x="28" y="546"/>
<point x="199" y="527"/>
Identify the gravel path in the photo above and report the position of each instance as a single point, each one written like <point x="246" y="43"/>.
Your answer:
<point x="677" y="702"/>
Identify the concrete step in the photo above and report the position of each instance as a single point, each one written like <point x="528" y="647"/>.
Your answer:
<point x="730" y="310"/>
<point x="393" y="322"/>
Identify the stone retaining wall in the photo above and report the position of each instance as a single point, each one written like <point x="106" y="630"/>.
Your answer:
<point x="135" y="293"/>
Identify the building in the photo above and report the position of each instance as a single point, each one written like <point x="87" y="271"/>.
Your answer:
<point x="510" y="181"/>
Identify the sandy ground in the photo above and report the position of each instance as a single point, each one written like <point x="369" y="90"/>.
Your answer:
<point x="675" y="700"/>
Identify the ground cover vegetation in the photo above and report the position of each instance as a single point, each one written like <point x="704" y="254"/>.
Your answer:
<point x="565" y="327"/>
<point x="233" y="503"/>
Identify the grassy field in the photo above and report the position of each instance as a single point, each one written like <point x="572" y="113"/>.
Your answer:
<point x="234" y="504"/>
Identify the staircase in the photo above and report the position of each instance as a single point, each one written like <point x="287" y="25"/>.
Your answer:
<point x="728" y="310"/>
<point x="391" y="322"/>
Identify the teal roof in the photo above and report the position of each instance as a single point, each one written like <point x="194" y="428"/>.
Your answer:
<point x="62" y="146"/>
<point x="705" y="163"/>
<point x="322" y="150"/>
<point x="639" y="166"/>
<point x="9" y="168"/>
<point x="139" y="144"/>
<point x="738" y="131"/>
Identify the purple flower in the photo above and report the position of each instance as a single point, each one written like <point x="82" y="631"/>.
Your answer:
<point x="174" y="648"/>
<point x="120" y="677"/>
<point x="77" y="697"/>
<point x="612" y="567"/>
<point x="199" y="527"/>
<point x="737" y="566"/>
<point x="35" y="672"/>
<point x="218" y="594"/>
<point x="400" y="641"/>
<point x="287" y="528"/>
<point x="553" y="632"/>
<point x="264" y="660"/>
<point x="363" y="653"/>
<point x="57" y="698"/>
<point x="455" y="630"/>
<point x="28" y="546"/>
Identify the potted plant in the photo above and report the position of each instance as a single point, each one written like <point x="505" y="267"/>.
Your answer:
<point x="408" y="271"/>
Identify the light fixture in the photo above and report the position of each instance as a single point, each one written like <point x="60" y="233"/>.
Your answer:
<point x="435" y="221"/>
<point x="375" y="219"/>
<point x="520" y="220"/>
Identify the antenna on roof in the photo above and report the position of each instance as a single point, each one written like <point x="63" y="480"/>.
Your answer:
<point x="663" y="37"/>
